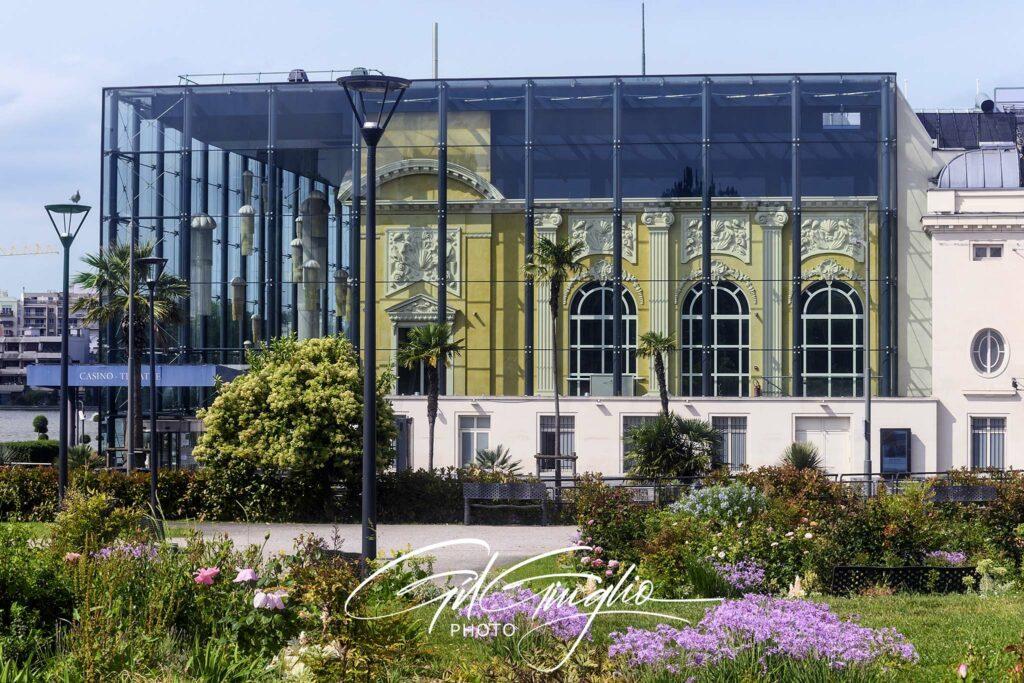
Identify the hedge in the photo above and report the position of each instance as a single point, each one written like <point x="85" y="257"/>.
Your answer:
<point x="408" y="497"/>
<point x="40" y="451"/>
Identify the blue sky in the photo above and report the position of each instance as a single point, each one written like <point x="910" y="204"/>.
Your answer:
<point x="56" y="56"/>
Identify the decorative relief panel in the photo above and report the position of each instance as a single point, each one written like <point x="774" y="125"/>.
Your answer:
<point x="730" y="235"/>
<point x="603" y="271"/>
<point x="596" y="233"/>
<point x="412" y="257"/>
<point x="719" y="272"/>
<point x="836" y="234"/>
<point x="830" y="270"/>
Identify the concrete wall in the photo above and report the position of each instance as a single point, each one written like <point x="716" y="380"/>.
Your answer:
<point x="771" y="426"/>
<point x="975" y="295"/>
<point x="914" y="166"/>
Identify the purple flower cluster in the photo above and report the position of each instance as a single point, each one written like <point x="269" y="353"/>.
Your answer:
<point x="767" y="627"/>
<point x="565" y="622"/>
<point x="945" y="557"/>
<point x="744" y="576"/>
<point x="138" y="551"/>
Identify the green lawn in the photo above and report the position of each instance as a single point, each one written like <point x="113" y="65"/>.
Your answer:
<point x="941" y="627"/>
<point x="40" y="529"/>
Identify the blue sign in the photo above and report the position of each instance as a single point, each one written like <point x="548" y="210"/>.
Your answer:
<point x="81" y="375"/>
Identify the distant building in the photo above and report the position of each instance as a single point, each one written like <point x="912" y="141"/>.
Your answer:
<point x="8" y="315"/>
<point x="41" y="312"/>
<point x="30" y="333"/>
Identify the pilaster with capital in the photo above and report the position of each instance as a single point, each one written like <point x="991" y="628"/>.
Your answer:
<point x="772" y="220"/>
<point x="545" y="225"/>
<point x="658" y="222"/>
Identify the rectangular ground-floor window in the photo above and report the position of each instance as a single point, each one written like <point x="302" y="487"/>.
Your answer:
<point x="567" y="444"/>
<point x="474" y="435"/>
<point x="988" y="441"/>
<point x="628" y="422"/>
<point x="732" y="449"/>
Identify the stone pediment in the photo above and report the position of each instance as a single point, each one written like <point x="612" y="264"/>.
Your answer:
<point x="418" y="309"/>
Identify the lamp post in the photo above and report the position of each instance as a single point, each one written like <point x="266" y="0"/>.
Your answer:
<point x="155" y="264"/>
<point x="384" y="93"/>
<point x="66" y="233"/>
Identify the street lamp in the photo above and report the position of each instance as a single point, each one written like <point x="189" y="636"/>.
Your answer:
<point x="66" y="233"/>
<point x="372" y="122"/>
<point x="155" y="264"/>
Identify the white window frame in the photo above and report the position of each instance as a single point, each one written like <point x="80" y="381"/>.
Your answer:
<point x="981" y="368"/>
<point x="824" y="288"/>
<point x="990" y="432"/>
<point x="726" y="444"/>
<point x="643" y="417"/>
<point x="577" y="379"/>
<point x="988" y="248"/>
<point x="692" y="317"/>
<point x="568" y="465"/>
<point x="840" y="120"/>
<point x="476" y="431"/>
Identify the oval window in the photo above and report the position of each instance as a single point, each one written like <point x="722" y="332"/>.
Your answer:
<point x="988" y="351"/>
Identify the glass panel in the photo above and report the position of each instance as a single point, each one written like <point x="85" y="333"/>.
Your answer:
<point x="661" y="111"/>
<point x="572" y="171"/>
<point x="235" y="117"/>
<point x="750" y="170"/>
<point x="573" y="112"/>
<point x="857" y="97"/>
<point x="745" y="109"/>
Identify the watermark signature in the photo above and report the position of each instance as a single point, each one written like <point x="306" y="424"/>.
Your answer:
<point x="592" y="594"/>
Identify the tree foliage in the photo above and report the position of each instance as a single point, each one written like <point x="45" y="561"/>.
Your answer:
<point x="298" y="408"/>
<point x="670" y="446"/>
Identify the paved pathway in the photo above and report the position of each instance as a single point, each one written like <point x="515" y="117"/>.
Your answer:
<point x="513" y="543"/>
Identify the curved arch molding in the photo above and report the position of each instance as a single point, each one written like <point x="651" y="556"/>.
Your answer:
<point x="407" y="167"/>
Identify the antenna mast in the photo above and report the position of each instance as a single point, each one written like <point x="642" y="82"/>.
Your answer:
<point x="643" y="40"/>
<point x="435" y="50"/>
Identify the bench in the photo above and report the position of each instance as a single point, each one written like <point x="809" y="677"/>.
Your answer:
<point x="963" y="493"/>
<point x="516" y="496"/>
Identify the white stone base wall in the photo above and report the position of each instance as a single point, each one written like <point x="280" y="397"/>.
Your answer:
<point x="772" y="424"/>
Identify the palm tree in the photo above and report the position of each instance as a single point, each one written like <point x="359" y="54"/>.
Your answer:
<point x="657" y="345"/>
<point x="431" y="345"/>
<point x="802" y="455"/>
<point x="497" y="459"/>
<point x="107" y="279"/>
<point x="555" y="262"/>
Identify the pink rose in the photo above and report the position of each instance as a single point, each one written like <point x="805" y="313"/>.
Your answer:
<point x="271" y="600"/>
<point x="246" y="574"/>
<point x="590" y="522"/>
<point x="614" y="564"/>
<point x="585" y="560"/>
<point x="206" y="575"/>
<point x="72" y="557"/>
<point x="598" y="550"/>
<point x="609" y="572"/>
<point x="598" y="562"/>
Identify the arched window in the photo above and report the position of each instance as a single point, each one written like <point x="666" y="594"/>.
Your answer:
<point x="833" y="340"/>
<point x="590" y="335"/>
<point x="730" y="341"/>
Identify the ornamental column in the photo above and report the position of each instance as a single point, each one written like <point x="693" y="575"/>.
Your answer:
<point x="546" y="226"/>
<point x="772" y="219"/>
<point x="658" y="221"/>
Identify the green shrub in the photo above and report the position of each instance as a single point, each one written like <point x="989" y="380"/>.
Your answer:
<point x="34" y="595"/>
<point x="40" y="452"/>
<point x="420" y="496"/>
<point x="40" y="425"/>
<point x="91" y="521"/>
<point x="28" y="493"/>
<point x="609" y="519"/>
<point x="299" y="409"/>
<point x="734" y="502"/>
